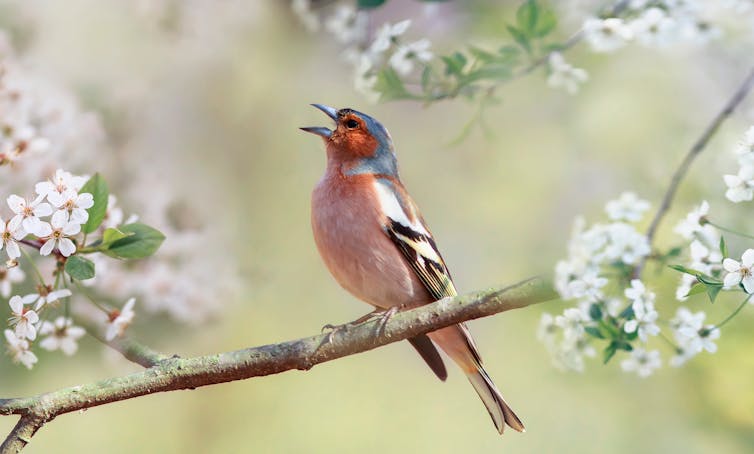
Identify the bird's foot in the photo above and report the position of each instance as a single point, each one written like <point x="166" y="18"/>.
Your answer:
<point x="385" y="316"/>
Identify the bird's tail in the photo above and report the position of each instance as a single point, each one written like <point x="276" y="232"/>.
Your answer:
<point x="498" y="409"/>
<point x="457" y="342"/>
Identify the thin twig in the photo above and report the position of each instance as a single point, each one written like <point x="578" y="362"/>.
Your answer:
<point x="695" y="150"/>
<point x="188" y="373"/>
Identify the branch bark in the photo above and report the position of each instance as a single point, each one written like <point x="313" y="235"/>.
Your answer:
<point x="171" y="374"/>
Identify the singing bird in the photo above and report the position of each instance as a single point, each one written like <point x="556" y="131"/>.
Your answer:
<point x="375" y="243"/>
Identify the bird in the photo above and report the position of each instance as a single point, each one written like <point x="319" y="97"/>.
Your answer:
<point x="374" y="241"/>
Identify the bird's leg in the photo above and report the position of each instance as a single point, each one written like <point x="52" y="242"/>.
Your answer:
<point x="385" y="316"/>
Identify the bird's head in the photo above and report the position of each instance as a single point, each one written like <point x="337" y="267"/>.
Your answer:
<point x="356" y="136"/>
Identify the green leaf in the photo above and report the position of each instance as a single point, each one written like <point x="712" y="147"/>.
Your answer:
<point x="594" y="332"/>
<point x="369" y="4"/>
<point x="723" y="247"/>
<point x="546" y="23"/>
<point x="426" y="78"/>
<point x="97" y="187"/>
<point x="142" y="241"/>
<point x="520" y="38"/>
<point x="527" y="16"/>
<point x="390" y="85"/>
<point x="595" y="312"/>
<point x="709" y="280"/>
<point x="609" y="352"/>
<point x="696" y="289"/>
<point x="713" y="291"/>
<point x="79" y="268"/>
<point x="683" y="269"/>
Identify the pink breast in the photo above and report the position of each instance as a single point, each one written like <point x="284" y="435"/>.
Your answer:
<point x="347" y="229"/>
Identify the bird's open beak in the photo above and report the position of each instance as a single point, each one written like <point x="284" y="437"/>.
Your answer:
<point x="321" y="130"/>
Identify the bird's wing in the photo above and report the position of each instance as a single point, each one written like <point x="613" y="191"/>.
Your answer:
<point x="421" y="252"/>
<point x="403" y="225"/>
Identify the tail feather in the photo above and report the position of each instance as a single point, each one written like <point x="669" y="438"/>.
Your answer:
<point x="431" y="356"/>
<point x="457" y="342"/>
<point x="498" y="409"/>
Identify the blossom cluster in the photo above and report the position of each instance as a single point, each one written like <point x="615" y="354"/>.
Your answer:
<point x="49" y="223"/>
<point x="386" y="50"/>
<point x="651" y="23"/>
<point x="614" y="305"/>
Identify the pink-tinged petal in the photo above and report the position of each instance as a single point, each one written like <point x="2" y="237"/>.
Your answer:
<point x="43" y="209"/>
<point x="66" y="247"/>
<point x="731" y="279"/>
<point x="68" y="346"/>
<point x="38" y="200"/>
<point x="47" y="247"/>
<point x="16" y="304"/>
<point x="30" y="298"/>
<point x="13" y="250"/>
<point x="31" y="224"/>
<point x="56" y="199"/>
<point x="44" y="188"/>
<point x="15" y="223"/>
<point x="56" y="295"/>
<point x="43" y="229"/>
<point x="731" y="265"/>
<point x="72" y="228"/>
<point x="31" y="332"/>
<point x="748" y="283"/>
<point x="85" y="200"/>
<point x="747" y="259"/>
<point x="49" y="343"/>
<point x="59" y="219"/>
<point x="31" y="317"/>
<point x="16" y="203"/>
<point x="79" y="216"/>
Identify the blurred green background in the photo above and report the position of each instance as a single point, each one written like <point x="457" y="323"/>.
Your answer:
<point x="223" y="103"/>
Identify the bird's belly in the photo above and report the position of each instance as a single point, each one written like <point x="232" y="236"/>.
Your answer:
<point x="359" y="254"/>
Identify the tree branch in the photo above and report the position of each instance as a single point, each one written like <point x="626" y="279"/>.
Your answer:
<point x="21" y="435"/>
<point x="700" y="144"/>
<point x="176" y="373"/>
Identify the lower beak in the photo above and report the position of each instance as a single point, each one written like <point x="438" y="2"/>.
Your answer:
<point x="318" y="130"/>
<point x="321" y="130"/>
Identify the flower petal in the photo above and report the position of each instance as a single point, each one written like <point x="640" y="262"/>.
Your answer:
<point x="47" y="247"/>
<point x="66" y="247"/>
<point x="747" y="259"/>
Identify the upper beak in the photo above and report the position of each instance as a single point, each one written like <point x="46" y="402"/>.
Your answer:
<point x="321" y="130"/>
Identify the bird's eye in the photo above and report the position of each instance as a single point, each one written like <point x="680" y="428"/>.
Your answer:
<point x="352" y="124"/>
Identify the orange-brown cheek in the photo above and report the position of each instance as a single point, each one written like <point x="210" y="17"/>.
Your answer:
<point x="361" y="144"/>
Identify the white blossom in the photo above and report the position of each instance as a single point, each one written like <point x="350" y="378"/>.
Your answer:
<point x="588" y="286"/>
<point x="23" y="319"/>
<point x="547" y="329"/>
<point x="11" y="233"/>
<point x="628" y="207"/>
<point x="61" y="335"/>
<point x="693" y="221"/>
<point x="740" y="272"/>
<point x="347" y="24"/>
<point x="28" y="213"/>
<point x="120" y="320"/>
<point x="18" y="347"/>
<point x="50" y="297"/>
<point x="741" y="185"/>
<point x="643" y="362"/>
<point x="8" y="277"/>
<point x="57" y="234"/>
<point x="59" y="183"/>
<point x="562" y="74"/>
<point x="655" y="28"/>
<point x="387" y="35"/>
<point x="73" y="203"/>
<point x="365" y="79"/>
<point x="606" y="35"/>
<point x="403" y="58"/>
